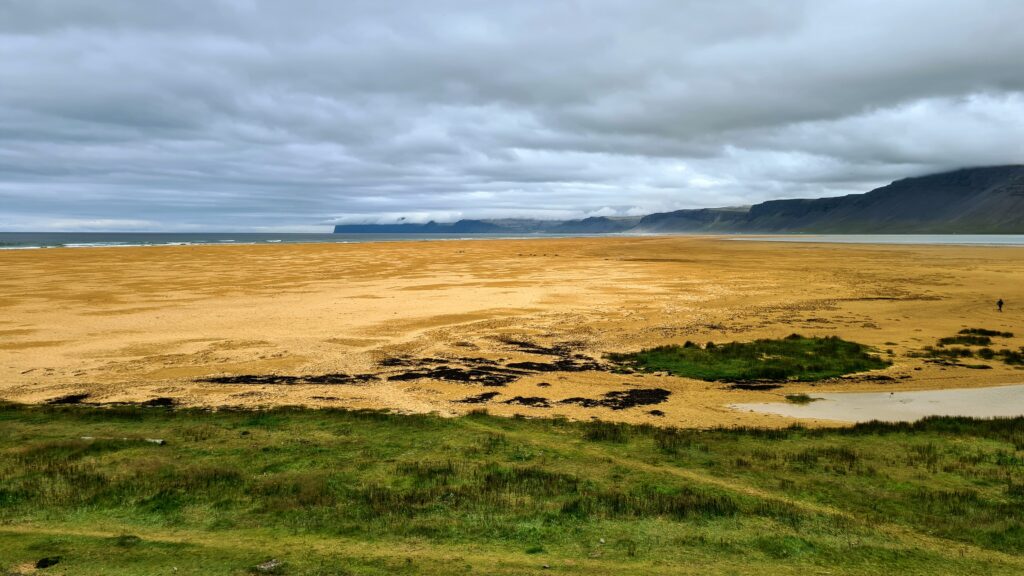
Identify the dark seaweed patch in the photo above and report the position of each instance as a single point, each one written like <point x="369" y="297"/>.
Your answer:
<point x="584" y="402"/>
<point x="252" y="379"/>
<point x="336" y="378"/>
<point x="161" y="402"/>
<point x="533" y="401"/>
<point x="484" y="375"/>
<point x="560" y="365"/>
<point x="655" y="412"/>
<point x="406" y="361"/>
<point x="479" y="371"/>
<point x="622" y="399"/>
<point x="563" y="349"/>
<point x="753" y="386"/>
<point x="472" y="361"/>
<point x="531" y="348"/>
<point x="69" y="399"/>
<point x="479" y="398"/>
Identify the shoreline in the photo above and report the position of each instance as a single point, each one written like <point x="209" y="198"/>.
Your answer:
<point x="370" y="238"/>
<point x="273" y="239"/>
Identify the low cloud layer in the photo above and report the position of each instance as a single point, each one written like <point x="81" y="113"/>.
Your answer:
<point x="252" y="115"/>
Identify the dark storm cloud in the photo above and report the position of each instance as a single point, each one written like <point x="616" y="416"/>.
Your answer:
<point x="252" y="114"/>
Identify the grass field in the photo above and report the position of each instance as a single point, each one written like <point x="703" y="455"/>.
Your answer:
<point x="792" y="358"/>
<point x="335" y="492"/>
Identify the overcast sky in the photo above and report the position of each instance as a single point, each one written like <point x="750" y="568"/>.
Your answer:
<point x="274" y="115"/>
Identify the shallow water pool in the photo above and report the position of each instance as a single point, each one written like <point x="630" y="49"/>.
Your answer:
<point x="986" y="402"/>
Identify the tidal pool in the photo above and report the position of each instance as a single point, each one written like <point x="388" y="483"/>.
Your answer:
<point x="986" y="402"/>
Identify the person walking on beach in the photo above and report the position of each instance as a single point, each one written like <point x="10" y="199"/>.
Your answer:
<point x="999" y="304"/>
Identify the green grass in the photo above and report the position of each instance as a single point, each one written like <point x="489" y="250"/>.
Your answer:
<point x="336" y="492"/>
<point x="966" y="340"/>
<point x="800" y="398"/>
<point x="792" y="358"/>
<point x="952" y="355"/>
<point x="985" y="332"/>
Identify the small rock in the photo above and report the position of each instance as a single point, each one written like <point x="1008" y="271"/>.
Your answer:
<point x="270" y="566"/>
<point x="157" y="441"/>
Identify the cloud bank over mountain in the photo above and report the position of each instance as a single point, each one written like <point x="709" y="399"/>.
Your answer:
<point x="267" y="115"/>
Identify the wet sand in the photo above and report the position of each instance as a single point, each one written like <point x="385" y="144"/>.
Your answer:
<point x="435" y="326"/>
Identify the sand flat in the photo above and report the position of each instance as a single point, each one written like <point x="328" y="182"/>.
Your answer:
<point x="130" y="324"/>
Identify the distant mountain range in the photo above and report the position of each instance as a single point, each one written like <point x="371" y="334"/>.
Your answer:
<point x="987" y="200"/>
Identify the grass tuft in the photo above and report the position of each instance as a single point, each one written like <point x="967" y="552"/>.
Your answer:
<point x="985" y="332"/>
<point x="966" y="340"/>
<point x="801" y="398"/>
<point x="792" y="358"/>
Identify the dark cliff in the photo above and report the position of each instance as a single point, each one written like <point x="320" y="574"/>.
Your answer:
<point x="969" y="201"/>
<point x="987" y="200"/>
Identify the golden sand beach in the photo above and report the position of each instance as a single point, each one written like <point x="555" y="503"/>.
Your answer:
<point x="134" y="324"/>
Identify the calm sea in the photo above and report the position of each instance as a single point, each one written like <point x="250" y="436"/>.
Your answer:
<point x="32" y="240"/>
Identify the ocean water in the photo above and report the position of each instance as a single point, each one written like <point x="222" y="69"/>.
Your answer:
<point x="34" y="240"/>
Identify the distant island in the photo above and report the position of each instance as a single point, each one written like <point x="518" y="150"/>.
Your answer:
<point x="984" y="200"/>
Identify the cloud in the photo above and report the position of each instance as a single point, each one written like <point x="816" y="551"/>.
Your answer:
<point x="247" y="114"/>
